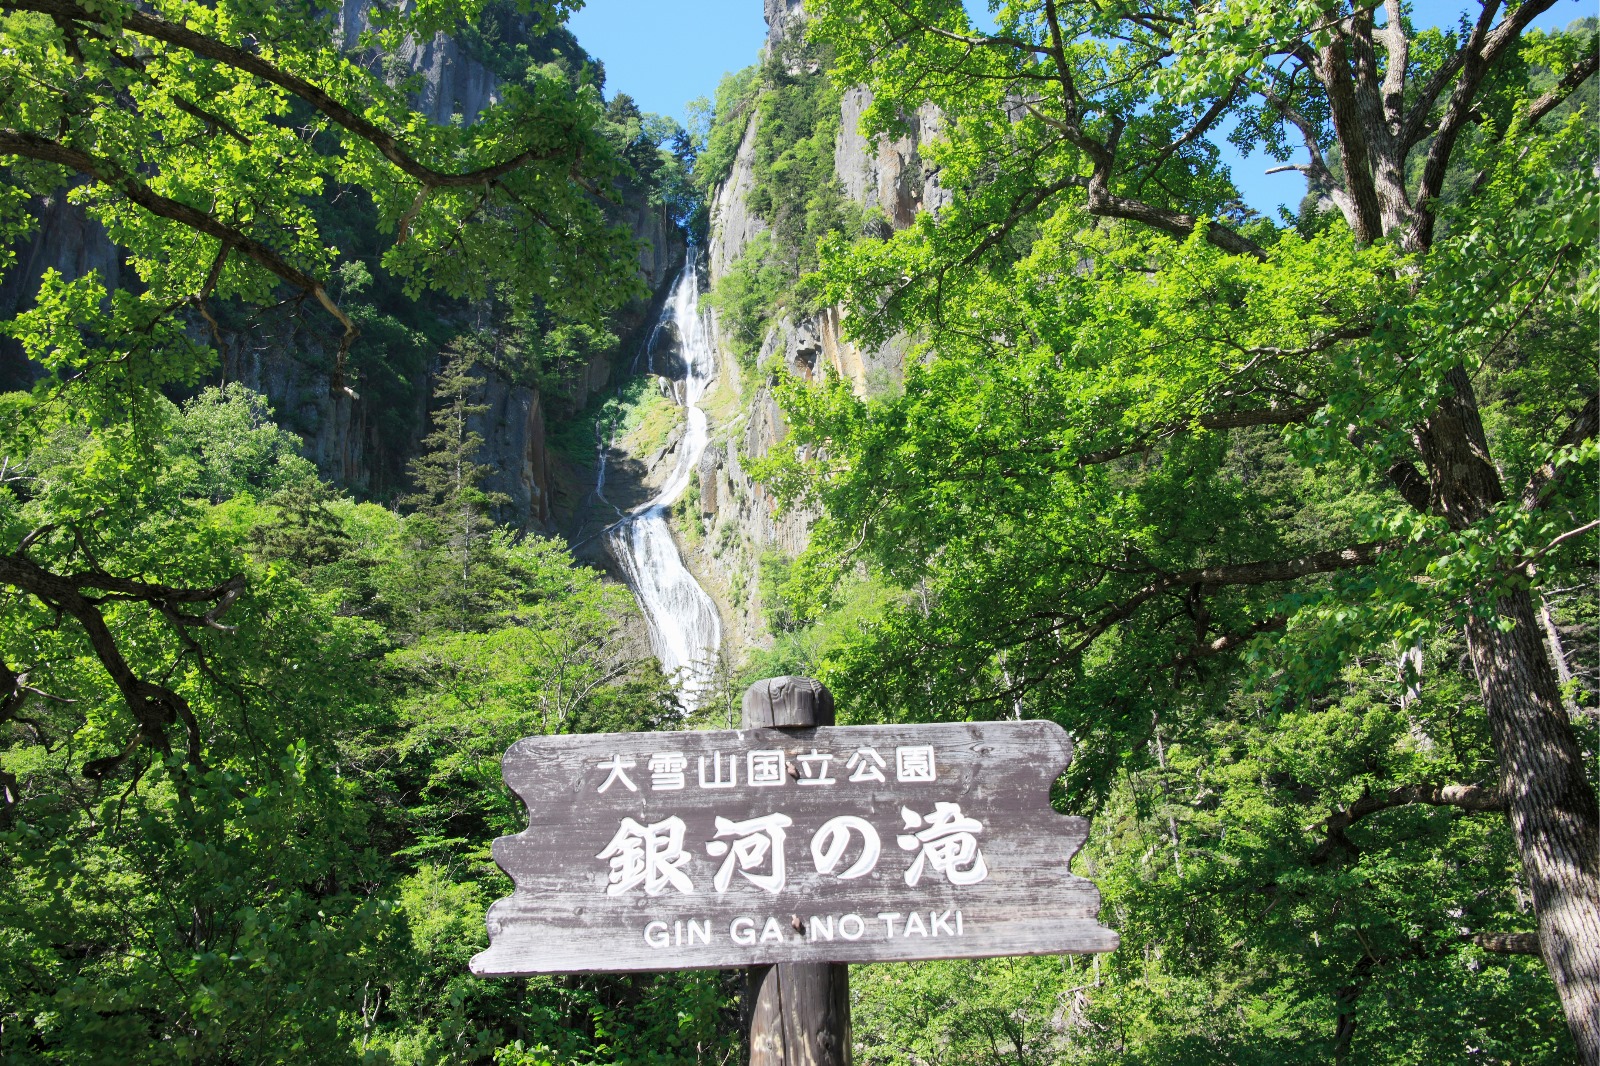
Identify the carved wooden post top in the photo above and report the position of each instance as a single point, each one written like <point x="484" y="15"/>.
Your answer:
<point x="788" y="703"/>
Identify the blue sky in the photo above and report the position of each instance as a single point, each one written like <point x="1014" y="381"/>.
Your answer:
<point x="665" y="53"/>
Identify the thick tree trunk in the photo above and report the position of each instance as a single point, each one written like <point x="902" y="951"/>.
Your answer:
<point x="1551" y="806"/>
<point x="1550" y="802"/>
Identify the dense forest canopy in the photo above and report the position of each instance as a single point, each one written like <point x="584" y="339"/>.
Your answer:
<point x="1217" y="491"/>
<point x="1289" y="521"/>
<point x="253" y="726"/>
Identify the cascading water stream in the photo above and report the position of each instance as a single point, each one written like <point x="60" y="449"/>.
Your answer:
<point x="685" y="630"/>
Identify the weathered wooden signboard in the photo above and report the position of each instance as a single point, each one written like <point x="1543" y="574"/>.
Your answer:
<point x="662" y="851"/>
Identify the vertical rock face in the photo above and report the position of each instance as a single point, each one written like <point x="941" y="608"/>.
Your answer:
<point x="733" y="224"/>
<point x="67" y="241"/>
<point x="783" y="16"/>
<point x="513" y="430"/>
<point x="739" y="517"/>
<point x="661" y="242"/>
<point x="453" y="82"/>
<point x="280" y="355"/>
<point x="277" y="358"/>
<point x="71" y="243"/>
<point x="884" y="173"/>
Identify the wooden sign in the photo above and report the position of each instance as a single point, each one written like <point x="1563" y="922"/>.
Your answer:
<point x="664" y="851"/>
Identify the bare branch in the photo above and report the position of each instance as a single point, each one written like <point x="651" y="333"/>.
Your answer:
<point x="1398" y="47"/>
<point x="1473" y="798"/>
<point x="1505" y="943"/>
<point x="1354" y="151"/>
<point x="1229" y="641"/>
<point x="1202" y="124"/>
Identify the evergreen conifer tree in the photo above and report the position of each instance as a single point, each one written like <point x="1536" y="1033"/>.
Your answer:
<point x="452" y="526"/>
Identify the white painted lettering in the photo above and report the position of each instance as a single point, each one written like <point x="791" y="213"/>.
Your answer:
<point x="914" y="763"/>
<point x="958" y="923"/>
<point x="827" y="846"/>
<point x="647" y="856"/>
<point x="666" y="770"/>
<point x="814" y="768"/>
<point x="888" y="918"/>
<point x="772" y="932"/>
<point x="820" y="927"/>
<point x="742" y="930"/>
<point x="764" y="768"/>
<point x="851" y="926"/>
<point x="701" y="930"/>
<point x="861" y="765"/>
<point x="677" y="933"/>
<point x="949" y="845"/>
<point x="716" y="771"/>
<point x="914" y="925"/>
<point x="756" y="840"/>
<point x="616" y="764"/>
<point x="655" y="934"/>
<point x="936" y="920"/>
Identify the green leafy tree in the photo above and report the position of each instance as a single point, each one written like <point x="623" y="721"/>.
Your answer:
<point x="180" y="857"/>
<point x="1157" y="439"/>
<point x="207" y="837"/>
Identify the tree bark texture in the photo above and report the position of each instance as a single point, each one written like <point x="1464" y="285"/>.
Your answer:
<point x="1551" y="805"/>
<point x="795" y="1014"/>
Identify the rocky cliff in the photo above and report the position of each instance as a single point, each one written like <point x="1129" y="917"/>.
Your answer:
<point x="285" y="353"/>
<point x="738" y="522"/>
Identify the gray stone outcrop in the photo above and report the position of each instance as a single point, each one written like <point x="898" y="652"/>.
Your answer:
<point x="783" y="16"/>
<point x="733" y="224"/>
<point x="888" y="173"/>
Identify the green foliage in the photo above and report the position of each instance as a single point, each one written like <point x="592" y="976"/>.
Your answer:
<point x="794" y="104"/>
<point x="230" y="435"/>
<point x="719" y="127"/>
<point x="303" y="875"/>
<point x="749" y="297"/>
<point x="1142" y="481"/>
<point x="797" y="123"/>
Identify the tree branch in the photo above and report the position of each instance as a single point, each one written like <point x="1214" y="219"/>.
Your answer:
<point x="1543" y="480"/>
<point x="1107" y="204"/>
<point x="1563" y="88"/>
<point x="1474" y="68"/>
<point x="1280" y="416"/>
<point x="32" y="146"/>
<point x="1353" y="148"/>
<point x="1473" y="798"/>
<point x="1411" y="485"/>
<point x="1257" y="573"/>
<point x="154" y="707"/>
<point x="157" y="28"/>
<point x="1229" y="641"/>
<point x="1202" y="124"/>
<point x="1505" y="943"/>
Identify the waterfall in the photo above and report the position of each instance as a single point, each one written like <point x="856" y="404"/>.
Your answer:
<point x="685" y="630"/>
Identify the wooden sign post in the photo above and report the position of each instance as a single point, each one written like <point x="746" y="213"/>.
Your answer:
<point x="790" y="846"/>
<point x="795" y="1012"/>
